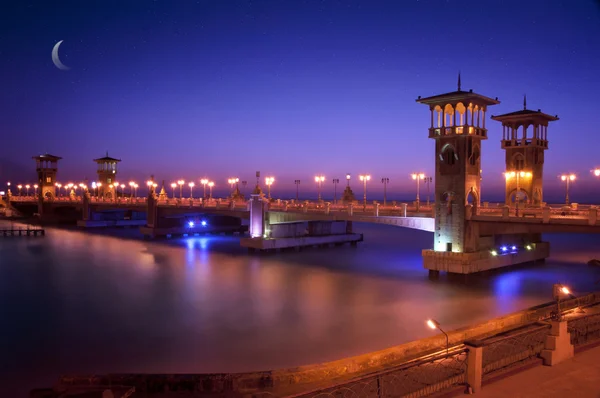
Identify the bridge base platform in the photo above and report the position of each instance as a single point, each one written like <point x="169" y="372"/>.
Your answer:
<point x="298" y="242"/>
<point x="470" y="263"/>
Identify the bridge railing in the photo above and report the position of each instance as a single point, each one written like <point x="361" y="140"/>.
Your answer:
<point x="420" y="377"/>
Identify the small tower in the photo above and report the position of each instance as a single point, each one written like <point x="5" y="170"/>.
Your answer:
<point x="524" y="138"/>
<point x="458" y="127"/>
<point x="46" y="167"/>
<point x="107" y="175"/>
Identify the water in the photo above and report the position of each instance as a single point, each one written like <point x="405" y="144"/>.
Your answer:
<point x="74" y="302"/>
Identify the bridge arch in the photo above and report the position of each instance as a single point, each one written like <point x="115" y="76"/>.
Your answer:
<point x="472" y="199"/>
<point x="523" y="196"/>
<point x="48" y="195"/>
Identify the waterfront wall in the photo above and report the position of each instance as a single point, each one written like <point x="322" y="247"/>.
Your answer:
<point x="296" y="380"/>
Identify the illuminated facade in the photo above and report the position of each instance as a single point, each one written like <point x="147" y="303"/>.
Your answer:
<point x="107" y="176"/>
<point x="458" y="128"/>
<point x="46" y="168"/>
<point x="524" y="139"/>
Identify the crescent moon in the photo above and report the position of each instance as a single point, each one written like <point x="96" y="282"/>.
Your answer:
<point x="56" y="59"/>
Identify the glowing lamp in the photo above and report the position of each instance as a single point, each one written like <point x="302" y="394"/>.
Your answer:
<point x="191" y="224"/>
<point x="203" y="223"/>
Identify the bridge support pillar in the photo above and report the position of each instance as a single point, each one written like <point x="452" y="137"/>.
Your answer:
<point x="257" y="225"/>
<point x="376" y="209"/>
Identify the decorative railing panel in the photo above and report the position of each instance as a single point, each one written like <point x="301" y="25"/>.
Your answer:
<point x="414" y="379"/>
<point x="502" y="351"/>
<point x="585" y="329"/>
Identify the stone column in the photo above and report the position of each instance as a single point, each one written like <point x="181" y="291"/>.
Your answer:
<point x="285" y="205"/>
<point x="327" y="207"/>
<point x="305" y="207"/>
<point x="505" y="211"/>
<point x="257" y="216"/>
<point x="403" y="206"/>
<point x="474" y="366"/>
<point x="376" y="209"/>
<point x="557" y="347"/>
<point x="350" y="209"/>
<point x="468" y="211"/>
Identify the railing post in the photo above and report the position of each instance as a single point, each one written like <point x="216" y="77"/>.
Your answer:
<point x="305" y="207"/>
<point x="327" y="207"/>
<point x="350" y="209"/>
<point x="557" y="346"/>
<point x="404" y="207"/>
<point x="474" y="365"/>
<point x="376" y="209"/>
<point x="546" y="215"/>
<point x="592" y="216"/>
<point x="505" y="212"/>
<point x="285" y="205"/>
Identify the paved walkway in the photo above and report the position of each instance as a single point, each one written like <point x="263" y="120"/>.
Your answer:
<point x="577" y="377"/>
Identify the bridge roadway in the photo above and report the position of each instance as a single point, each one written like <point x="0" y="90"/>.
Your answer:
<point x="492" y="219"/>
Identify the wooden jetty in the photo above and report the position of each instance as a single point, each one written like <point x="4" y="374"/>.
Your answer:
<point x="6" y="232"/>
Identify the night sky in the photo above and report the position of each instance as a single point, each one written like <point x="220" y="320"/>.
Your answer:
<point x="187" y="89"/>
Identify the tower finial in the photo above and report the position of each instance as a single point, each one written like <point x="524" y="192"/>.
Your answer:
<point x="106" y="153"/>
<point x="458" y="80"/>
<point x="524" y="101"/>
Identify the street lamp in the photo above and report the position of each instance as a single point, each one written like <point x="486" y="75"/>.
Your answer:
<point x="211" y="184"/>
<point x="20" y="187"/>
<point x="567" y="178"/>
<point x="269" y="181"/>
<point x="191" y="185"/>
<point x="98" y="185"/>
<point x="35" y="187"/>
<point x="518" y="175"/>
<point x="364" y="179"/>
<point x="203" y="181"/>
<point x="173" y="186"/>
<point x="385" y="181"/>
<point x="297" y="182"/>
<point x="348" y="180"/>
<point x="596" y="172"/>
<point x="432" y="323"/>
<point x="319" y="180"/>
<point x="27" y="189"/>
<point x="559" y="291"/>
<point x="428" y="181"/>
<point x="94" y="188"/>
<point x="418" y="177"/>
<point x="336" y="181"/>
<point x="234" y="183"/>
<point x="180" y="183"/>
<point x="59" y="186"/>
<point x="122" y="190"/>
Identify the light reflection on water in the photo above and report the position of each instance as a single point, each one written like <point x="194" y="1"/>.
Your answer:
<point x="82" y="303"/>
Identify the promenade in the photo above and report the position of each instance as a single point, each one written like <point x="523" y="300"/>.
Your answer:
<point x="576" y="377"/>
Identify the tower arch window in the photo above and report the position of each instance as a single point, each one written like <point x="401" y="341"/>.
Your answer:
<point x="519" y="162"/>
<point x="448" y="155"/>
<point x="474" y="156"/>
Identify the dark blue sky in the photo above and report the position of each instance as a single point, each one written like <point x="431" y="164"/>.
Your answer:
<point x="186" y="89"/>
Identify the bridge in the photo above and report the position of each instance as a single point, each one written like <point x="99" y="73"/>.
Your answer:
<point x="469" y="236"/>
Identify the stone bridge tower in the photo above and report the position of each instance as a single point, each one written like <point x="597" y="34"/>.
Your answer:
<point x="524" y="138"/>
<point x="107" y="176"/>
<point x="458" y="128"/>
<point x="46" y="167"/>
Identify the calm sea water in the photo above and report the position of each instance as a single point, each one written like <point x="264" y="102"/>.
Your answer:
<point x="75" y="302"/>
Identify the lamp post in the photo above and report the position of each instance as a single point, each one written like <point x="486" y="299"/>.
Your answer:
<point x="122" y="190"/>
<point x="385" y="181"/>
<point x="98" y="186"/>
<point x="191" y="185"/>
<point x="348" y="180"/>
<point x="94" y="188"/>
<point x="418" y="177"/>
<point x="518" y="175"/>
<point x="173" y="185"/>
<point x="135" y="187"/>
<point x="27" y="189"/>
<point x="20" y="187"/>
<point x="364" y="179"/>
<point x="180" y="183"/>
<point x="244" y="183"/>
<point x="35" y="187"/>
<point x="204" y="181"/>
<point x="432" y="323"/>
<point x="269" y="181"/>
<point x="233" y="182"/>
<point x="319" y="180"/>
<point x="595" y="171"/>
<point x="336" y="181"/>
<point x="560" y="290"/>
<point x="428" y="181"/>
<point x="211" y="184"/>
<point x="567" y="178"/>
<point x="297" y="182"/>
